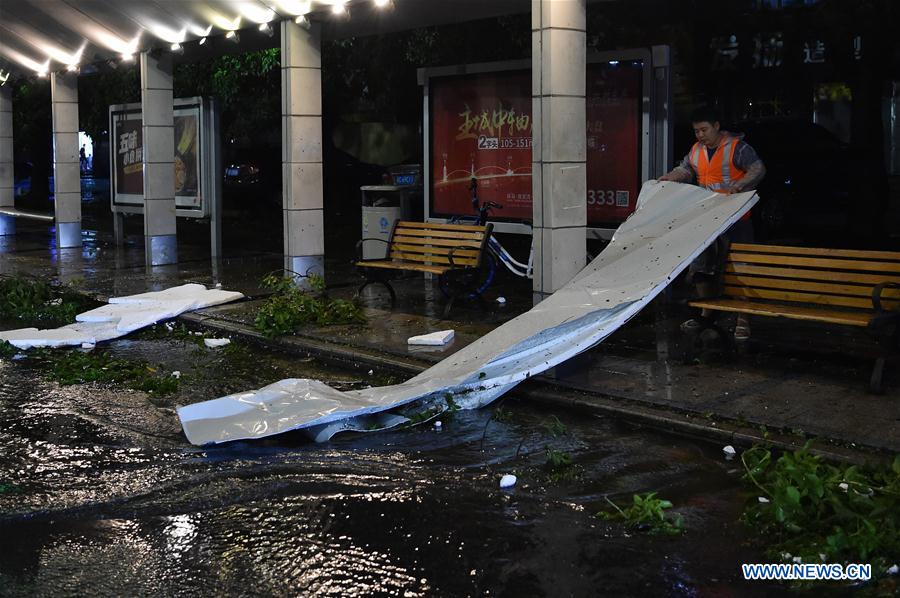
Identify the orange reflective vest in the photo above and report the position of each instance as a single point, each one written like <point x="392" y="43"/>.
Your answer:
<point x="719" y="172"/>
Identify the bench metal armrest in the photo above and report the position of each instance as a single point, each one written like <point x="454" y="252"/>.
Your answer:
<point x="876" y="294"/>
<point x="359" y="245"/>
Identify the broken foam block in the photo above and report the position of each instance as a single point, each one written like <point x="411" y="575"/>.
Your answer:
<point x="441" y="337"/>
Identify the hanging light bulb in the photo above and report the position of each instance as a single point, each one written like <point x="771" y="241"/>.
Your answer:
<point x="303" y="21"/>
<point x="266" y="29"/>
<point x="339" y="8"/>
<point x="233" y="36"/>
<point x="382" y="3"/>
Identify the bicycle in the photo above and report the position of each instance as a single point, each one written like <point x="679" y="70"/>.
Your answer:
<point x="496" y="251"/>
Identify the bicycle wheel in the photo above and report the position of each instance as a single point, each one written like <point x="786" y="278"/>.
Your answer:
<point x="478" y="281"/>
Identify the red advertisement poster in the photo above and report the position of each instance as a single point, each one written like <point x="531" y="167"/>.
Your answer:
<point x="613" y="140"/>
<point x="481" y="128"/>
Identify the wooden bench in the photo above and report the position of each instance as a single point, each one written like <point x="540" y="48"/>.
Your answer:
<point x="454" y="252"/>
<point x="836" y="286"/>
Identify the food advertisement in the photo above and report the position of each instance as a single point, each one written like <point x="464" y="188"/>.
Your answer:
<point x="128" y="157"/>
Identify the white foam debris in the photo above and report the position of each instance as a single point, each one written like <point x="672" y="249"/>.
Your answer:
<point x="121" y="316"/>
<point x="844" y="486"/>
<point x="26" y="338"/>
<point x="88" y="346"/>
<point x="501" y="300"/>
<point x="762" y="499"/>
<point x="216" y="342"/>
<point x="438" y="424"/>
<point x="441" y="337"/>
<point x="729" y="452"/>
<point x="893" y="570"/>
<point x="508" y="481"/>
<point x="176" y="374"/>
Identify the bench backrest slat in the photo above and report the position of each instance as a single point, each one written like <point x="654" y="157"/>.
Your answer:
<point x="854" y="290"/>
<point x="434" y="243"/>
<point x="830" y="277"/>
<point x="826" y="275"/>
<point x="814" y="262"/>
<point x="889" y="256"/>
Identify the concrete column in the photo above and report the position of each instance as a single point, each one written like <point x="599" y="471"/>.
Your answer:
<point x="559" y="154"/>
<point x="301" y="148"/>
<point x="7" y="195"/>
<point x="158" y="130"/>
<point x="66" y="163"/>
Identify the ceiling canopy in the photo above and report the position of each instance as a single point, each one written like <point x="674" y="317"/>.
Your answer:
<point x="41" y="36"/>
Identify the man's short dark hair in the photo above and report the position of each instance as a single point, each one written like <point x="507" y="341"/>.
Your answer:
<point x="705" y="114"/>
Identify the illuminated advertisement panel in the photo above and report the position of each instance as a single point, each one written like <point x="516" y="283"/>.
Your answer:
<point x="127" y="148"/>
<point x="481" y="127"/>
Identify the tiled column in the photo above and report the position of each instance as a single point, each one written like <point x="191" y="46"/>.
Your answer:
<point x="66" y="163"/>
<point x="560" y="141"/>
<point x="301" y="143"/>
<point x="158" y="130"/>
<point x="7" y="197"/>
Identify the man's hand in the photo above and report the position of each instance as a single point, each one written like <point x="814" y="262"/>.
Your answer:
<point x="733" y="189"/>
<point x="667" y="177"/>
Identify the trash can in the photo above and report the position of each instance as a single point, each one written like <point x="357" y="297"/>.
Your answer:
<point x="382" y="205"/>
<point x="379" y="212"/>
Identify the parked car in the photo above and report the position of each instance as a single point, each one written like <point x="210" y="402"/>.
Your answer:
<point x="252" y="179"/>
<point x="817" y="190"/>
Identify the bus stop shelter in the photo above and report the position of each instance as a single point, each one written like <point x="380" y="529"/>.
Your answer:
<point x="56" y="38"/>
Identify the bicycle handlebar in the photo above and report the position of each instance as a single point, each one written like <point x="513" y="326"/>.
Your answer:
<point x="483" y="209"/>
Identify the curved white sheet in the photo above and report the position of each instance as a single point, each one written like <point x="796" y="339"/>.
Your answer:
<point x="672" y="225"/>
<point x="121" y="316"/>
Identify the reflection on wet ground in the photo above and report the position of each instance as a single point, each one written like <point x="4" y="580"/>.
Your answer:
<point x="101" y="494"/>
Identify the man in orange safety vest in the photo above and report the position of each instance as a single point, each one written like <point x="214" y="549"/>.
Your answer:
<point x="723" y="162"/>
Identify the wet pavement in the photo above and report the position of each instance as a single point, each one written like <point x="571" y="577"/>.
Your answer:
<point x="795" y="379"/>
<point x="102" y="495"/>
<point x="100" y="492"/>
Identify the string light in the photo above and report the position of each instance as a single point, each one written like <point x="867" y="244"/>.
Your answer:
<point x="338" y="8"/>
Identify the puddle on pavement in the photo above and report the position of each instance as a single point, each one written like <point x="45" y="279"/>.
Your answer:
<point x="101" y="494"/>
